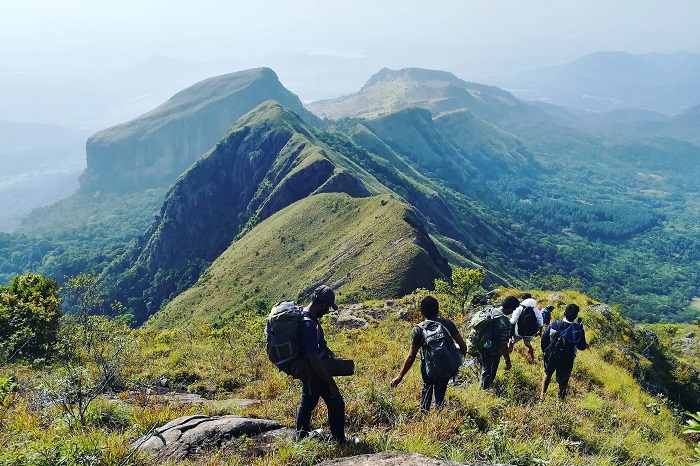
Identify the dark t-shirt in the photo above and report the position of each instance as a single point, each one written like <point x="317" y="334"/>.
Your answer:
<point x="312" y="338"/>
<point x="417" y="336"/>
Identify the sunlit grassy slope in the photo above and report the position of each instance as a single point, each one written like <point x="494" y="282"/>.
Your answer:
<point x="370" y="245"/>
<point x="608" y="419"/>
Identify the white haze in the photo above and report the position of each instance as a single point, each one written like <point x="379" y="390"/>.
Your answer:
<point x="94" y="63"/>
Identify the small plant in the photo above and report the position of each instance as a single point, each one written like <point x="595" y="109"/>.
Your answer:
<point x="694" y="428"/>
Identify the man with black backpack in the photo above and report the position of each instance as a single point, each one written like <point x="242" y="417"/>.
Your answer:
<point x="312" y="346"/>
<point x="560" y="343"/>
<point x="488" y="339"/>
<point x="526" y="323"/>
<point x="440" y="359"/>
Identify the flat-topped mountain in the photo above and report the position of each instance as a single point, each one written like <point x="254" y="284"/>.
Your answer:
<point x="155" y="148"/>
<point x="439" y="92"/>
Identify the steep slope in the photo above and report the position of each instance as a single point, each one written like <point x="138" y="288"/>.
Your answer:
<point x="362" y="247"/>
<point x="456" y="147"/>
<point x="268" y="160"/>
<point x="155" y="148"/>
<point x="389" y="91"/>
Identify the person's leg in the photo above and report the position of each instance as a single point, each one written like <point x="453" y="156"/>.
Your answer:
<point x="563" y="376"/>
<point x="530" y="350"/>
<point x="309" y="400"/>
<point x="545" y="384"/>
<point x="489" y="367"/>
<point x="440" y="390"/>
<point x="336" y="412"/>
<point x="426" y="395"/>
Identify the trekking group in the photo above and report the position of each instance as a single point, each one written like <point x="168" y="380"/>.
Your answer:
<point x="297" y="345"/>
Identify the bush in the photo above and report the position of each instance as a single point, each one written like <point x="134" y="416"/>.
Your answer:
<point x="29" y="317"/>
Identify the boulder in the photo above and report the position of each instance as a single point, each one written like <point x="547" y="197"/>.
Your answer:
<point x="603" y="310"/>
<point x="347" y="319"/>
<point x="186" y="435"/>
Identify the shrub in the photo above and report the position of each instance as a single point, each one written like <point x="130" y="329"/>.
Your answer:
<point x="29" y="317"/>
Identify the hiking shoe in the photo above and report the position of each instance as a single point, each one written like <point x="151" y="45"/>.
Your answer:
<point x="318" y="434"/>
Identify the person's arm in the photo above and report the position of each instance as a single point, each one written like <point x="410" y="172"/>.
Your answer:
<point x="462" y="345"/>
<point x="582" y="344"/>
<point x="322" y="373"/>
<point x="503" y="339"/>
<point x="412" y="352"/>
<point x="516" y="315"/>
<point x="544" y="342"/>
<point x="505" y="351"/>
<point x="540" y="322"/>
<point x="309" y="338"/>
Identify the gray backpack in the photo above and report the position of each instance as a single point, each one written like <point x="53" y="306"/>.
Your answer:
<point x="441" y="358"/>
<point x="281" y="333"/>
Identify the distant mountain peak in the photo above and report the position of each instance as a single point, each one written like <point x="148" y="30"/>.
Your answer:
<point x="156" y="147"/>
<point x="413" y="74"/>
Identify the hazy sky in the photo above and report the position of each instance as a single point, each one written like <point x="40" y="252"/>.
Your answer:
<point x="342" y="42"/>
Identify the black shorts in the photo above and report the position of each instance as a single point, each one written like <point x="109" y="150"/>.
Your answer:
<point x="563" y="372"/>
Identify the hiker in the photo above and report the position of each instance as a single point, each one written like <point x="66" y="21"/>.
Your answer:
<point x="547" y="315"/>
<point x="526" y="323"/>
<point x="434" y="328"/>
<point x="560" y="343"/>
<point x="489" y="336"/>
<point x="313" y="346"/>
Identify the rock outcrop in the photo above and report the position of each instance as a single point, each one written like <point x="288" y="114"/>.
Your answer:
<point x="392" y="458"/>
<point x="186" y="436"/>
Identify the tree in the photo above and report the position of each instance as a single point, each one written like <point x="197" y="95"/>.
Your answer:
<point x="94" y="349"/>
<point x="29" y="317"/>
<point x="464" y="283"/>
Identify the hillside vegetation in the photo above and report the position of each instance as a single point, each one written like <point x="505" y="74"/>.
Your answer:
<point x="495" y="183"/>
<point x="607" y="418"/>
<point x="362" y="246"/>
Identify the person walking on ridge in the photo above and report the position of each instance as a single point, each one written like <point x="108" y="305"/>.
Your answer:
<point x="526" y="323"/>
<point x="313" y="346"/>
<point x="560" y="343"/>
<point x="432" y="327"/>
<point x="488" y="338"/>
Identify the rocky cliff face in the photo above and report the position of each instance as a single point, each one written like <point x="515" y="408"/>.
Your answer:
<point x="267" y="161"/>
<point x="155" y="148"/>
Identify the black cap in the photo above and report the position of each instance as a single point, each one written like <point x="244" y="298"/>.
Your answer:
<point x="325" y="294"/>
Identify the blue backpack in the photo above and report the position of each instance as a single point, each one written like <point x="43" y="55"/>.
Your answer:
<point x="439" y="353"/>
<point x="562" y="345"/>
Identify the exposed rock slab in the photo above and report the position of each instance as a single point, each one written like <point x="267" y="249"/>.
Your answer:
<point x="186" y="435"/>
<point x="393" y="458"/>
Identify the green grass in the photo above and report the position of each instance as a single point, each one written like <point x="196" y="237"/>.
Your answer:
<point x="607" y="419"/>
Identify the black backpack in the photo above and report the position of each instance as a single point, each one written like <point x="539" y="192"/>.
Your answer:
<point x="527" y="322"/>
<point x="439" y="353"/>
<point x="562" y="345"/>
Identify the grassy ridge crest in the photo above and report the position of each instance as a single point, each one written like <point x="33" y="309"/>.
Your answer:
<point x="365" y="247"/>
